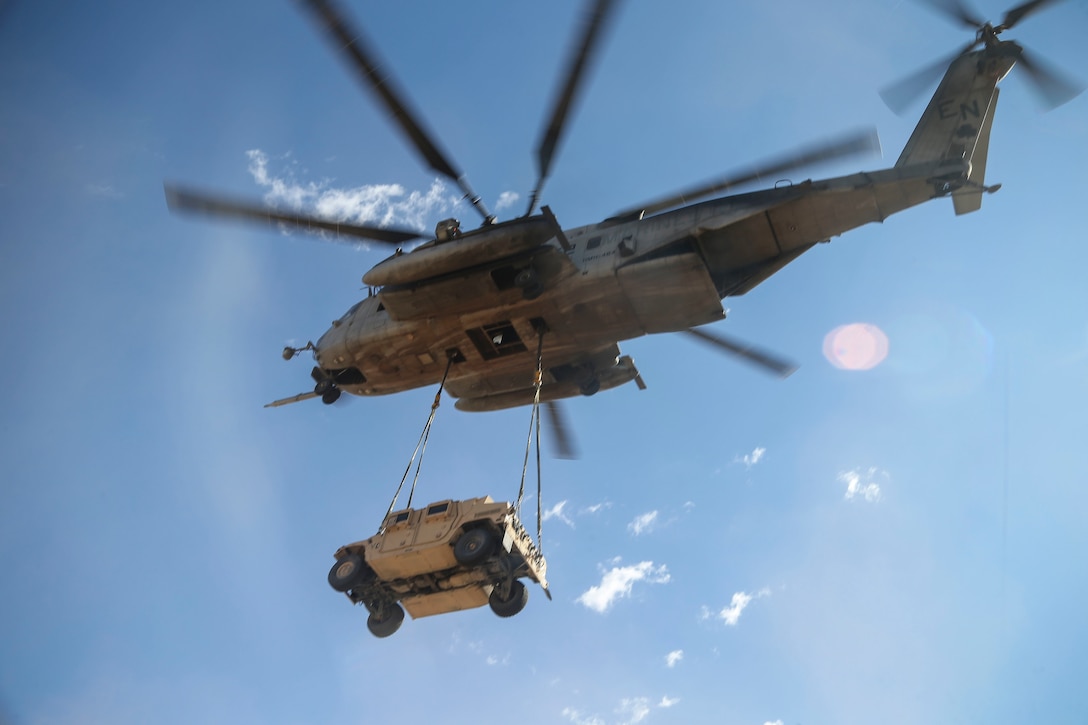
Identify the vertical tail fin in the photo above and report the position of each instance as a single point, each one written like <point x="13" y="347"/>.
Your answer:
<point x="956" y="123"/>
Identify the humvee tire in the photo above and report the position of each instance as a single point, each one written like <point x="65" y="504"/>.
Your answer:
<point x="474" y="546"/>
<point x="387" y="625"/>
<point x="511" y="605"/>
<point x="346" y="572"/>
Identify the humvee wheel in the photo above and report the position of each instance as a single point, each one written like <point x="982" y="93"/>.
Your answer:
<point x="346" y="572"/>
<point x="511" y="605"/>
<point x="590" y="386"/>
<point x="474" y="546"/>
<point x="331" y="395"/>
<point x="388" y="624"/>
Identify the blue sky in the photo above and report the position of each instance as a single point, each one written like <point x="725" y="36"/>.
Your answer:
<point x="902" y="544"/>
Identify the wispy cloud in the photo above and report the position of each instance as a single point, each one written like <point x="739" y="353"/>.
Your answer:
<point x="556" y="512"/>
<point x="617" y="582"/>
<point x="596" y="507"/>
<point x="380" y="204"/>
<point x="105" y="191"/>
<point x="506" y="200"/>
<point x="731" y="614"/>
<point x="673" y="658"/>
<point x="751" y="459"/>
<point x="643" y="523"/>
<point x="578" y="719"/>
<point x="631" y="710"/>
<point x="862" y="484"/>
<point x="634" y="709"/>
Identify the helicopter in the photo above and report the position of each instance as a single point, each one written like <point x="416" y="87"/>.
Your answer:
<point x="476" y="309"/>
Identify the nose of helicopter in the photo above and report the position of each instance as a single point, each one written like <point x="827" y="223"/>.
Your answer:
<point x="332" y="349"/>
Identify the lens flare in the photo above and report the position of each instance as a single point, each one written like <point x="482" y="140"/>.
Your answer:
<point x="857" y="346"/>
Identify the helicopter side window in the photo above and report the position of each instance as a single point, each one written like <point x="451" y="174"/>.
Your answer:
<point x="593" y="243"/>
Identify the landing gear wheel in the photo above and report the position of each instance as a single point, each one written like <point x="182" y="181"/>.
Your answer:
<point x="323" y="385"/>
<point x="474" y="546"/>
<point x="590" y="386"/>
<point x="528" y="282"/>
<point x="388" y="623"/>
<point x="330" y="396"/>
<point x="347" y="572"/>
<point x="511" y="604"/>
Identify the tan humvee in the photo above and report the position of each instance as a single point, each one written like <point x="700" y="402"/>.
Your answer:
<point x="445" y="557"/>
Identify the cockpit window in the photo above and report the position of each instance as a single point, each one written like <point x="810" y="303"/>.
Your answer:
<point x="351" y="311"/>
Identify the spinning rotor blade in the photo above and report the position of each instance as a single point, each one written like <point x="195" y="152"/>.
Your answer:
<point x="955" y="10"/>
<point x="557" y="421"/>
<point x="1020" y="12"/>
<point x="1052" y="87"/>
<point x="193" y="202"/>
<point x="354" y="47"/>
<point x="595" y="20"/>
<point x="858" y="143"/>
<point x="899" y="95"/>
<point x="759" y="358"/>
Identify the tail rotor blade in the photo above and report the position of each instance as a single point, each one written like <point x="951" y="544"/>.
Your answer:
<point x="1018" y="13"/>
<point x="1053" y="88"/>
<point x="905" y="91"/>
<point x="956" y="10"/>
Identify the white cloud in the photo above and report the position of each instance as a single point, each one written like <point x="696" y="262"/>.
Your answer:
<point x="576" y="717"/>
<point x="642" y="523"/>
<point x="631" y="710"/>
<point x="863" y="484"/>
<point x="556" y="512"/>
<point x="634" y="709"/>
<point x="617" y="583"/>
<point x="751" y="459"/>
<point x="731" y="614"/>
<point x="492" y="660"/>
<point x="506" y="200"/>
<point x="776" y="722"/>
<point x="596" y="507"/>
<point x="674" y="657"/>
<point x="380" y="204"/>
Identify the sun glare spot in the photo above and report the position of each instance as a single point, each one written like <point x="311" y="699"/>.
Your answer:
<point x="858" y="346"/>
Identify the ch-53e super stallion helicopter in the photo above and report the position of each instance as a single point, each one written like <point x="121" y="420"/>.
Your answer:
<point x="473" y="305"/>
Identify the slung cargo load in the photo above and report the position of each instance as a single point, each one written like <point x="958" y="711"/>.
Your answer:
<point x="445" y="557"/>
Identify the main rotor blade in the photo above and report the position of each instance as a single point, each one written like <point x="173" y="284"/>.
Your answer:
<point x="557" y="421"/>
<point x="194" y="202"/>
<point x="899" y="95"/>
<point x="595" y="21"/>
<point x="1052" y="87"/>
<point x="352" y="45"/>
<point x="759" y="358"/>
<point x="856" y="143"/>
<point x="956" y="10"/>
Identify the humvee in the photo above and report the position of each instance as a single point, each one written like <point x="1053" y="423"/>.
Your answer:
<point x="445" y="557"/>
